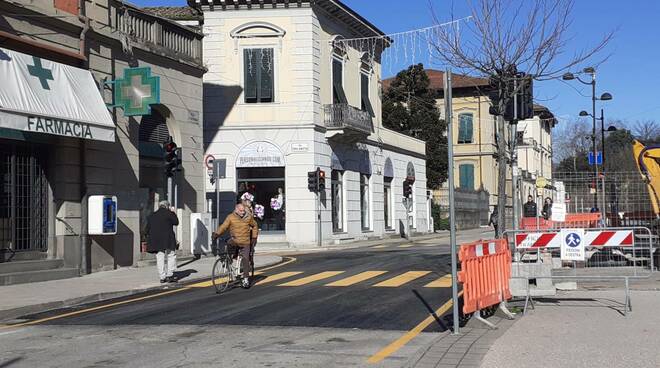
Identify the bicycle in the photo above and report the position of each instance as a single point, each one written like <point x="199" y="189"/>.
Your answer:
<point x="226" y="270"/>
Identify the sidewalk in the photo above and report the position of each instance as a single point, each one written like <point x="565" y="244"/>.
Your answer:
<point x="22" y="299"/>
<point x="581" y="328"/>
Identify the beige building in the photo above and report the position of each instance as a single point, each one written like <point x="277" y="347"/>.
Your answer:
<point x="475" y="144"/>
<point x="48" y="172"/>
<point x="534" y="148"/>
<point x="284" y="95"/>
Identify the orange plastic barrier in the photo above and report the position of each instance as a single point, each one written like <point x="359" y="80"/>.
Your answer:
<point x="485" y="273"/>
<point x="573" y="220"/>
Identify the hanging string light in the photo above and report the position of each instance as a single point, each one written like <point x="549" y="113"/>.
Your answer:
<point x="405" y="46"/>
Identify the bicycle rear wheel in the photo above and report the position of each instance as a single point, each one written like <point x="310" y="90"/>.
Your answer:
<point x="222" y="274"/>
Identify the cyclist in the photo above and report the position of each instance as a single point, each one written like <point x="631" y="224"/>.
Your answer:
<point x="244" y="231"/>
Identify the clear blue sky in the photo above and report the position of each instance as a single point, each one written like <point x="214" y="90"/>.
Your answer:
<point x="631" y="74"/>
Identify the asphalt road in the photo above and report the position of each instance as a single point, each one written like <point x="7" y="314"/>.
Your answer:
<point x="322" y="309"/>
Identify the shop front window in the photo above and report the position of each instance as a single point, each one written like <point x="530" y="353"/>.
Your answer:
<point x="365" y="201"/>
<point x="266" y="184"/>
<point x="387" y="202"/>
<point x="337" y="201"/>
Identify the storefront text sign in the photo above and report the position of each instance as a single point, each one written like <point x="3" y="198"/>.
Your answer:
<point x="260" y="154"/>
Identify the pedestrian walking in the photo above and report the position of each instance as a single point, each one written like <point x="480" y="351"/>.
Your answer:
<point x="162" y="241"/>
<point x="529" y="209"/>
<point x="547" y="209"/>
<point x="244" y="231"/>
<point x="493" y="219"/>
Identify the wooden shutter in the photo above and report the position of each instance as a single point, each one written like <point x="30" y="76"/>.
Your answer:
<point x="364" y="91"/>
<point x="266" y="75"/>
<point x="468" y="128"/>
<point x="337" y="84"/>
<point x="250" y="71"/>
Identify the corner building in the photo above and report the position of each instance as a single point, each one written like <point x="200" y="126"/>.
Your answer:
<point x="284" y="95"/>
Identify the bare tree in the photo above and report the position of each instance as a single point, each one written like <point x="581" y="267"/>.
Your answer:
<point x="646" y="131"/>
<point x="504" y="38"/>
<point x="570" y="139"/>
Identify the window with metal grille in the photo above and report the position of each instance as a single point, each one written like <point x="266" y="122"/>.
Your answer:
<point x="23" y="198"/>
<point x="153" y="128"/>
<point x="258" y="70"/>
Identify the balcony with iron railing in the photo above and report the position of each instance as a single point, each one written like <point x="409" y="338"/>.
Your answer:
<point x="346" y="121"/>
<point x="160" y="35"/>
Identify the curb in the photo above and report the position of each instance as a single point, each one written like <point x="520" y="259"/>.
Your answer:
<point x="9" y="314"/>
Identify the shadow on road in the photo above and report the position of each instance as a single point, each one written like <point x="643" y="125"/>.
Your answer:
<point x="180" y="275"/>
<point x="10" y="362"/>
<point x="442" y="325"/>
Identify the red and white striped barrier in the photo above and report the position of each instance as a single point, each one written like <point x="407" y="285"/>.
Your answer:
<point x="605" y="238"/>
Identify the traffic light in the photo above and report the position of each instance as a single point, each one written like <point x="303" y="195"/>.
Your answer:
<point x="407" y="189"/>
<point x="526" y="99"/>
<point x="312" y="181"/>
<point x="172" y="157"/>
<point x="321" y="179"/>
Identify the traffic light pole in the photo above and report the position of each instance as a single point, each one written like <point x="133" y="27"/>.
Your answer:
<point x="452" y="223"/>
<point x="318" y="216"/>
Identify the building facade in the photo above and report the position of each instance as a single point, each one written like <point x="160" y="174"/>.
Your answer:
<point x="284" y="95"/>
<point x="49" y="170"/>
<point x="475" y="148"/>
<point x="534" y="148"/>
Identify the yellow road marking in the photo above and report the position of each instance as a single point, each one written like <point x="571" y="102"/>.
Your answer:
<point x="94" y="308"/>
<point x="380" y="246"/>
<point x="407" y="245"/>
<point x="402" y="279"/>
<point x="312" y="278"/>
<point x="59" y="316"/>
<point x="403" y="340"/>
<point x="443" y="282"/>
<point x="278" y="276"/>
<point x="357" y="278"/>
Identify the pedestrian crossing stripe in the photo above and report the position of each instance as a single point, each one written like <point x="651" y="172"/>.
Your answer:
<point x="357" y="278"/>
<point x="402" y="279"/>
<point x="277" y="277"/>
<point x="407" y="245"/>
<point x="209" y="283"/>
<point x="443" y="282"/>
<point x="380" y="246"/>
<point x="312" y="278"/>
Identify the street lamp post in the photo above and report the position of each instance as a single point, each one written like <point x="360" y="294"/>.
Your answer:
<point x="604" y="97"/>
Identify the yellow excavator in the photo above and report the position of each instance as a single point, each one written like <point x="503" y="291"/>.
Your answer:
<point x="648" y="163"/>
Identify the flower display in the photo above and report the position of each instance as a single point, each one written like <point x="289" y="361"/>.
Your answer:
<point x="247" y="196"/>
<point x="275" y="204"/>
<point x="259" y="211"/>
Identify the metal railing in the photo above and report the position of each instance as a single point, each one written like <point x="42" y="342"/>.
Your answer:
<point x="343" y="115"/>
<point x="151" y="30"/>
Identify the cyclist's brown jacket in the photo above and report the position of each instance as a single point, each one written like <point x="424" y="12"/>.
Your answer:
<point x="242" y="230"/>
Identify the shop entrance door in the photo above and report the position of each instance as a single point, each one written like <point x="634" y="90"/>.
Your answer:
<point x="23" y="198"/>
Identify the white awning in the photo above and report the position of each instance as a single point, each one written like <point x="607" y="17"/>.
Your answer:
<point x="39" y="95"/>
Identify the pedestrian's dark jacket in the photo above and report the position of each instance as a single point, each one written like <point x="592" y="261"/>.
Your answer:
<point x="160" y="231"/>
<point x="529" y="209"/>
<point x="547" y="211"/>
<point x="493" y="219"/>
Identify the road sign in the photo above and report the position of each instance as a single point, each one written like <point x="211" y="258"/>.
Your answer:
<point x="208" y="161"/>
<point x="572" y="244"/>
<point x="599" y="158"/>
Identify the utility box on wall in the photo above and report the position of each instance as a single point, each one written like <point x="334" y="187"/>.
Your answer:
<point x="102" y="215"/>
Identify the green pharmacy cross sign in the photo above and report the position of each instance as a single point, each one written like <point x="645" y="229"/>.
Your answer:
<point x="137" y="91"/>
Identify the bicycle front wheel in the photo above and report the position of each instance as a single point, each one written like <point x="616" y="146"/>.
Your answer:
<point x="221" y="274"/>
